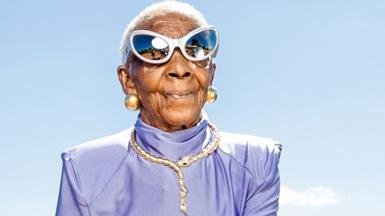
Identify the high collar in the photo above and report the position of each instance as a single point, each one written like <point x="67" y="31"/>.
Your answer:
<point x="172" y="145"/>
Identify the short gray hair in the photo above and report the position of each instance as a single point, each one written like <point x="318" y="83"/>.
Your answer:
<point x="159" y="9"/>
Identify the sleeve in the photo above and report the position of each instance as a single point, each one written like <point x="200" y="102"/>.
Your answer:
<point x="70" y="201"/>
<point x="263" y="197"/>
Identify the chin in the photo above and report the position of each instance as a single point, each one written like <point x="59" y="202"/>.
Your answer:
<point x="181" y="118"/>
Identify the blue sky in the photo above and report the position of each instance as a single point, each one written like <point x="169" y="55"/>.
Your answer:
<point x="308" y="73"/>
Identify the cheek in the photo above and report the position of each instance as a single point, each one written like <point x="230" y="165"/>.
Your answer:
<point x="202" y="96"/>
<point x="146" y="84"/>
<point x="147" y="80"/>
<point x="148" y="94"/>
<point x="204" y="77"/>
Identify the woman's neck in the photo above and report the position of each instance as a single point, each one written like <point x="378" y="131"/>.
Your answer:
<point x="172" y="145"/>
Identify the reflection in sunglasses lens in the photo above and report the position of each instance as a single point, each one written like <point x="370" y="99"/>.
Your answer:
<point x="201" y="44"/>
<point x="150" y="47"/>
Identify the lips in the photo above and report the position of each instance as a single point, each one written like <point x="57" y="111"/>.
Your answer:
<point x="179" y="94"/>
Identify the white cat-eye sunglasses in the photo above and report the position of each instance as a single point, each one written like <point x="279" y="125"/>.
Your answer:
<point x="154" y="48"/>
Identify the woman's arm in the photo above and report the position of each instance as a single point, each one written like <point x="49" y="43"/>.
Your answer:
<point x="70" y="201"/>
<point x="263" y="198"/>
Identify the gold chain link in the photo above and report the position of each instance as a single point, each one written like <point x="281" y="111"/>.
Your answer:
<point x="186" y="161"/>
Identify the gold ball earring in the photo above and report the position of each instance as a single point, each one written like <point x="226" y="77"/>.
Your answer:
<point x="131" y="101"/>
<point x="212" y="94"/>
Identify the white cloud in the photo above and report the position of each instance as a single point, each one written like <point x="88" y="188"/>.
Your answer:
<point x="311" y="197"/>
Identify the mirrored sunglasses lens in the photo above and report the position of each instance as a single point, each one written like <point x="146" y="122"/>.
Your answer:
<point x="150" y="47"/>
<point x="201" y="44"/>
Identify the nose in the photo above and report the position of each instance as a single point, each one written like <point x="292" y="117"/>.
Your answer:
<point x="178" y="66"/>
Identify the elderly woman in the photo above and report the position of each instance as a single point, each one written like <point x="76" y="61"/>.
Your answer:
<point x="173" y="161"/>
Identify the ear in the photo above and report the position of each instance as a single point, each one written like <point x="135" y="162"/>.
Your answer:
<point x="213" y="67"/>
<point x="126" y="80"/>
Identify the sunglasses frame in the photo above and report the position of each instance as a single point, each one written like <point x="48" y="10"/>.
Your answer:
<point x="172" y="44"/>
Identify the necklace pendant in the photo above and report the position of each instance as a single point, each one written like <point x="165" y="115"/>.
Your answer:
<point x="184" y="162"/>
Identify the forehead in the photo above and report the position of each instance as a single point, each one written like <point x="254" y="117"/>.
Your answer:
<point x="172" y="25"/>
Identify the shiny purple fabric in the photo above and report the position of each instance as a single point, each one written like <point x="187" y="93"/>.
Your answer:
<point x="106" y="177"/>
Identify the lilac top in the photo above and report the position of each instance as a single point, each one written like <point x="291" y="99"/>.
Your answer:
<point x="105" y="176"/>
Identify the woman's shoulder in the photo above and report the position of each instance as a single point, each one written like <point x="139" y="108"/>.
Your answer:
<point x="114" y="143"/>
<point x="255" y="153"/>
<point x="93" y="162"/>
<point x="230" y="141"/>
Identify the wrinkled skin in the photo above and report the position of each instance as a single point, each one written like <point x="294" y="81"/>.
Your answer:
<point x="172" y="94"/>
